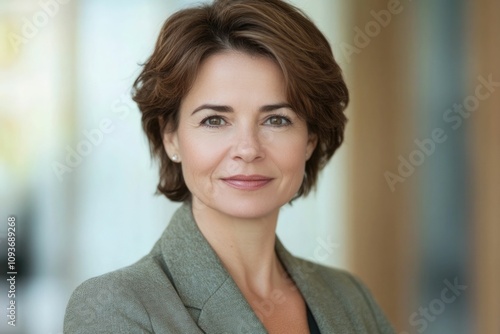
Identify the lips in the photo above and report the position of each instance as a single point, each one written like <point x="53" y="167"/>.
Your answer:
<point x="247" y="182"/>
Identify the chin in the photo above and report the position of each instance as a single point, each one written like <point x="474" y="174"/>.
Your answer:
<point x="254" y="208"/>
<point x="245" y="208"/>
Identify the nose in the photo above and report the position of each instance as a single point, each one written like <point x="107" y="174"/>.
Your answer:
<point x="248" y="145"/>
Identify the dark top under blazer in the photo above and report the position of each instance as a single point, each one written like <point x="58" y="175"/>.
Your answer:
<point x="182" y="287"/>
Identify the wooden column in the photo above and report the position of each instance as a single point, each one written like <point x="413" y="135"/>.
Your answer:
<point x="485" y="57"/>
<point x="380" y="129"/>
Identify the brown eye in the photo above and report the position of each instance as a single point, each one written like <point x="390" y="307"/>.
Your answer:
<point x="213" y="121"/>
<point x="278" y="121"/>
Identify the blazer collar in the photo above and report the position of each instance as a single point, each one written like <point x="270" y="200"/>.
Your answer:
<point x="205" y="286"/>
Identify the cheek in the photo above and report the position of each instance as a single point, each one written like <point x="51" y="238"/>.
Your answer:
<point x="291" y="163"/>
<point x="200" y="156"/>
<point x="290" y="153"/>
<point x="294" y="166"/>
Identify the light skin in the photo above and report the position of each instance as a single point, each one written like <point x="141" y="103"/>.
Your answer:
<point x="243" y="152"/>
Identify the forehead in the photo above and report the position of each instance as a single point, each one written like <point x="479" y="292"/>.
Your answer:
<point x="235" y="58"/>
<point x="234" y="76"/>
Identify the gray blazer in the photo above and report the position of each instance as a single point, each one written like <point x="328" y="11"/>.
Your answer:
<point x="181" y="286"/>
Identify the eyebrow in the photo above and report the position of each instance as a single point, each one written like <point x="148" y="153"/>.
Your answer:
<point x="222" y="108"/>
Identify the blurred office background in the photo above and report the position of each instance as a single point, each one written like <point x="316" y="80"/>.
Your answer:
<point x="411" y="202"/>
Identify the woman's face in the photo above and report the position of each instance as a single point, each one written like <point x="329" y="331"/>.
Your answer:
<point x="243" y="149"/>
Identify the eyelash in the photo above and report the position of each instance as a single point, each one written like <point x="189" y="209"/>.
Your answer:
<point x="204" y="122"/>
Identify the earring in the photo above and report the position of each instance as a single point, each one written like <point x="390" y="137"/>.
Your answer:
<point x="175" y="158"/>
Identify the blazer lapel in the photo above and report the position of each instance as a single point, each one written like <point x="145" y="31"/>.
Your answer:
<point x="227" y="311"/>
<point x="327" y="309"/>
<point x="203" y="284"/>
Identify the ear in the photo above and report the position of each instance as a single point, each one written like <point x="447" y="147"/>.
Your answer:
<point x="170" y="140"/>
<point x="311" y="145"/>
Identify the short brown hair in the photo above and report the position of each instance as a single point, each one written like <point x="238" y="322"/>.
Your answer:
<point x="273" y="28"/>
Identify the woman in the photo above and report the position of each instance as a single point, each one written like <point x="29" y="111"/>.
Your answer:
<point x="242" y="102"/>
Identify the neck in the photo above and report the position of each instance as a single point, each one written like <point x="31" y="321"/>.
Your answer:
<point x="244" y="245"/>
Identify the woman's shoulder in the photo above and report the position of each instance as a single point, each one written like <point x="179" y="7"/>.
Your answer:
<point x="125" y="300"/>
<point x="107" y="302"/>
<point x="130" y="279"/>
<point x="333" y="288"/>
